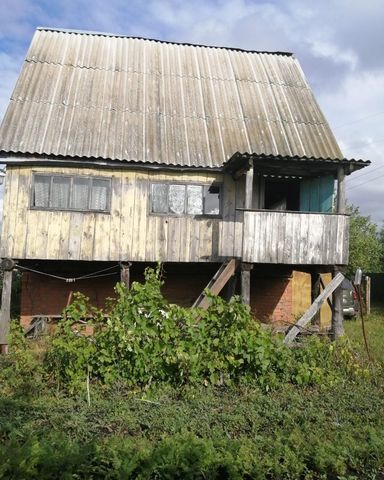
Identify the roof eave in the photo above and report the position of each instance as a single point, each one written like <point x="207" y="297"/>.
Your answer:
<point x="268" y="164"/>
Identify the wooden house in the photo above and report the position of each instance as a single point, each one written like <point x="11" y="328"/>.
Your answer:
<point x="121" y="152"/>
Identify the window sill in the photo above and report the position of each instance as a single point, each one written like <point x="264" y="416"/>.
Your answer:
<point x="70" y="210"/>
<point x="184" y="215"/>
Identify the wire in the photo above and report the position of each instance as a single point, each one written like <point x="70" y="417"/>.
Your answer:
<point x="364" y="143"/>
<point x="357" y="177"/>
<point x="97" y="274"/>
<point x="359" y="120"/>
<point x="363" y="183"/>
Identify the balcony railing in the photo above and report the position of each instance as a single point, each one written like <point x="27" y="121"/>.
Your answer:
<point x="295" y="238"/>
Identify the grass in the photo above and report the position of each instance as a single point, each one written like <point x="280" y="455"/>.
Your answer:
<point x="374" y="326"/>
<point x="332" y="431"/>
<point x="224" y="433"/>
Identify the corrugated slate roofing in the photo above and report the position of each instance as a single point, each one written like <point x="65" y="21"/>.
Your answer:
<point x="83" y="94"/>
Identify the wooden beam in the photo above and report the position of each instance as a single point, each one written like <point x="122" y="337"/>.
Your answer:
<point x="337" y="310"/>
<point x="340" y="190"/>
<point x="125" y="273"/>
<point x="5" y="312"/>
<point x="218" y="282"/>
<point x="246" y="282"/>
<point x="249" y="188"/>
<point x="314" y="308"/>
<point x="315" y="292"/>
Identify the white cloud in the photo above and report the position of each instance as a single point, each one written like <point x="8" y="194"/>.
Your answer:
<point x="338" y="42"/>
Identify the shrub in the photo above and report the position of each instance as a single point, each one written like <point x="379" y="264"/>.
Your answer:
<point x="146" y="340"/>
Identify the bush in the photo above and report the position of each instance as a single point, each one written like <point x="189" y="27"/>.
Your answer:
<point x="146" y="340"/>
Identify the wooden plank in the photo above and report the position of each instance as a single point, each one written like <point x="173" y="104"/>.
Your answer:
<point x="87" y="238"/>
<point x="127" y="214"/>
<point x="314" y="308"/>
<point x="20" y="231"/>
<point x="218" y="282"/>
<point x="75" y="237"/>
<point x="5" y="312"/>
<point x="115" y="217"/>
<point x="5" y="245"/>
<point x="64" y="236"/>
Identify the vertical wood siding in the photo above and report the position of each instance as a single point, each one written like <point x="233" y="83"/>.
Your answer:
<point x="295" y="238"/>
<point x="128" y="232"/>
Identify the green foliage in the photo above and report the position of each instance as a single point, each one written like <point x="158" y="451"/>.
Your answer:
<point x="211" y="433"/>
<point x="145" y="340"/>
<point x="365" y="248"/>
<point x="374" y="326"/>
<point x="20" y="371"/>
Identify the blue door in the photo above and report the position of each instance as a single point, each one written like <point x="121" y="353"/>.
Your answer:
<point x="316" y="194"/>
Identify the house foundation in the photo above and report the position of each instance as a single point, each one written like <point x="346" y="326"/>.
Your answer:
<point x="277" y="297"/>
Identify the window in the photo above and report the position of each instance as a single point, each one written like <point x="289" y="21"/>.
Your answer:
<point x="181" y="199"/>
<point x="61" y="192"/>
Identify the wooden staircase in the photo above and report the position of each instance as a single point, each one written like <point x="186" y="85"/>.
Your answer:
<point x="217" y="283"/>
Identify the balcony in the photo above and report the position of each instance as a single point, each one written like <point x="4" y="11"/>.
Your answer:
<point x="295" y="238"/>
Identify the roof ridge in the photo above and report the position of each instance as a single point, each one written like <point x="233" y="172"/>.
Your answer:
<point x="135" y="37"/>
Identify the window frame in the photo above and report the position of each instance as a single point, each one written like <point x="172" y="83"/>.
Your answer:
<point x="168" y="183"/>
<point x="71" y="177"/>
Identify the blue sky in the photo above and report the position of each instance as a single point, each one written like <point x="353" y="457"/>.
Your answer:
<point x="339" y="44"/>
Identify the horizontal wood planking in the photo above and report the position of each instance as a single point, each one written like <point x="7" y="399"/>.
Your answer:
<point x="128" y="232"/>
<point x="295" y="238"/>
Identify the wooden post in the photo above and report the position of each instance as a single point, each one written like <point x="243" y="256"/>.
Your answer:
<point x="125" y="273"/>
<point x="5" y="312"/>
<point x="230" y="288"/>
<point x="340" y="190"/>
<point x="337" y="303"/>
<point x="368" y="294"/>
<point x="337" y="311"/>
<point x="249" y="188"/>
<point x="315" y="292"/>
<point x="246" y="282"/>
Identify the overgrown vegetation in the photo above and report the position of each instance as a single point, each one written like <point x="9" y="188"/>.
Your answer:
<point x="366" y="244"/>
<point x="146" y="340"/>
<point x="216" y="397"/>
<point x="374" y="326"/>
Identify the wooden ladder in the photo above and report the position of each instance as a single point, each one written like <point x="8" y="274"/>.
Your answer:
<point x="217" y="283"/>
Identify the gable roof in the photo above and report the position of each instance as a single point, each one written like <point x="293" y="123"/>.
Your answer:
<point x="83" y="94"/>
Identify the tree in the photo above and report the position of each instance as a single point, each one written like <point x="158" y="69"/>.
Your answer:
<point x="366" y="244"/>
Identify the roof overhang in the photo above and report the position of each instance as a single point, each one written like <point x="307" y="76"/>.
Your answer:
<point x="294" y="166"/>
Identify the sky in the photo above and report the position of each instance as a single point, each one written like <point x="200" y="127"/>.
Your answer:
<point x="339" y="44"/>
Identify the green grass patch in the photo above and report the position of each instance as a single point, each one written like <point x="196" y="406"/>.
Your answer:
<point x="374" y="326"/>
